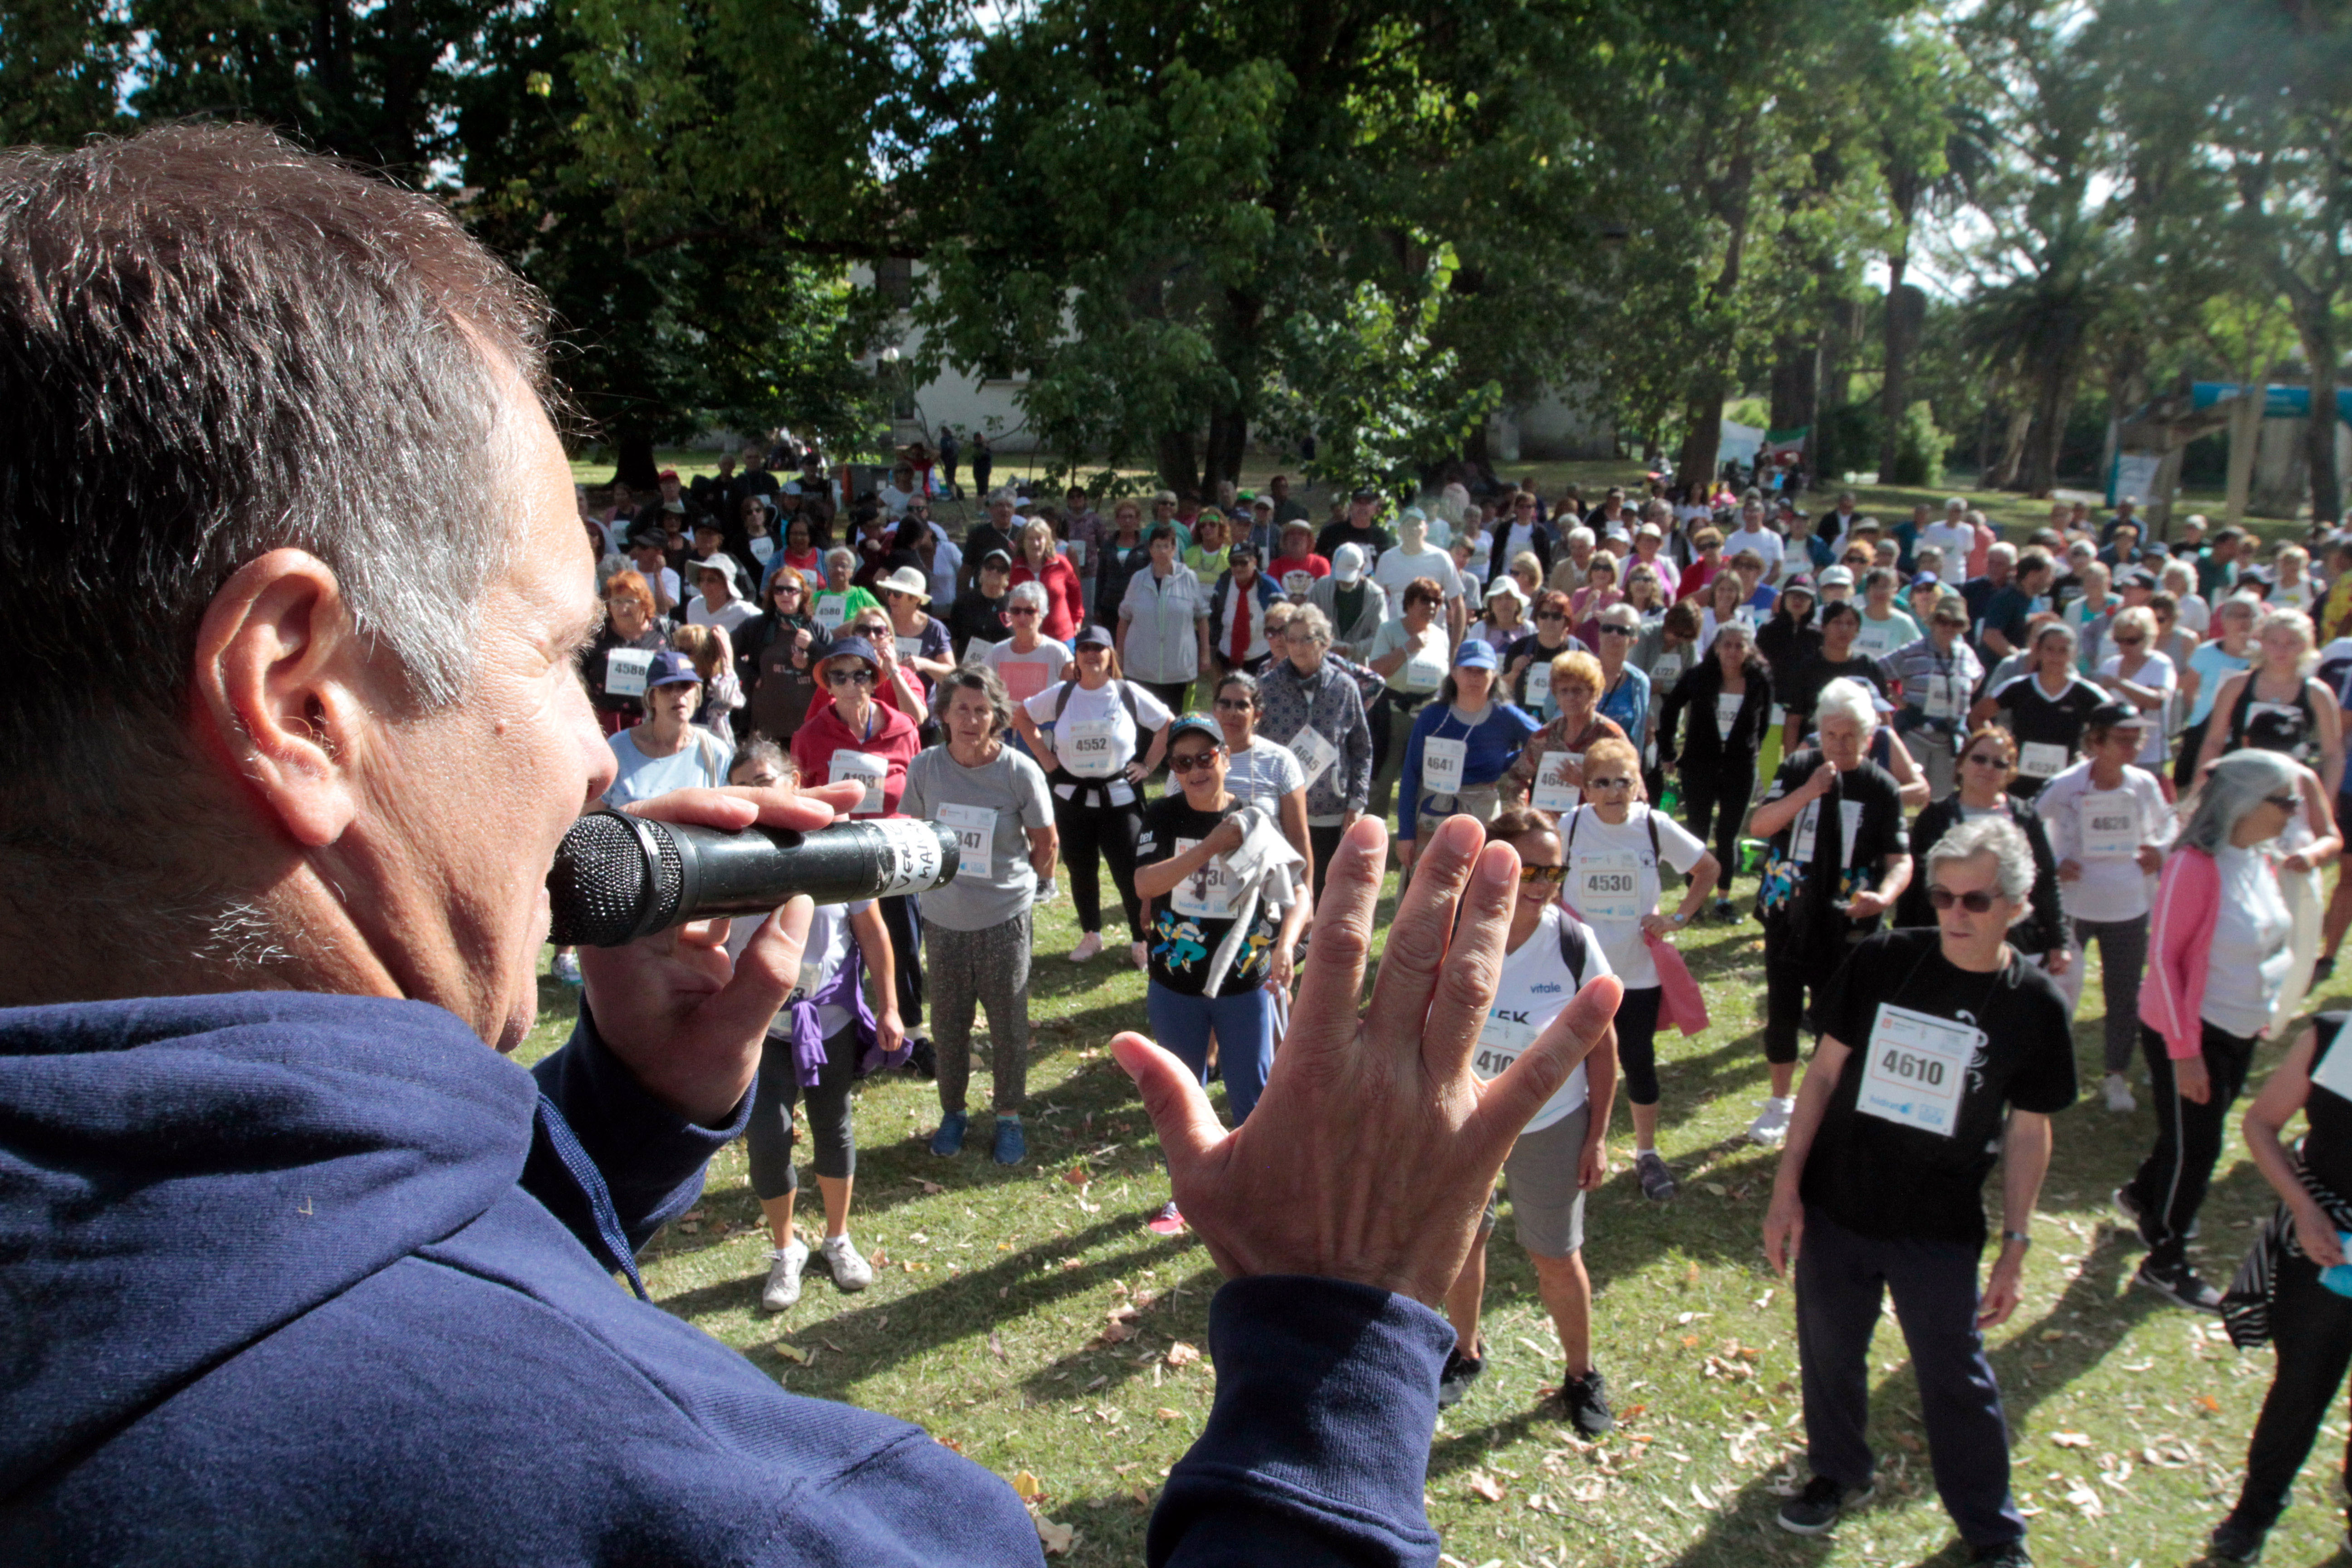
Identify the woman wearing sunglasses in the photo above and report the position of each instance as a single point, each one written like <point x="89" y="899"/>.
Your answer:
<point x="1460" y="753"/>
<point x="1937" y="674"/>
<point x="1941" y="1052"/>
<point x="2045" y="709"/>
<point x="1259" y="772"/>
<point x="1527" y="663"/>
<point x="1614" y="844"/>
<point x="1193" y="903"/>
<point x="1549" y="769"/>
<point x="1729" y="700"/>
<point x="1987" y="764"/>
<point x="1562" y="1153"/>
<point x="2136" y="673"/>
<point x="776" y="649"/>
<point x="1625" y="686"/>
<point x="2219" y="961"/>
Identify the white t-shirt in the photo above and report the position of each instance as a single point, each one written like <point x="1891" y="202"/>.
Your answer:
<point x="1424" y="670"/>
<point x="1396" y="570"/>
<point x="730" y="614"/>
<point x="1260" y="776"/>
<point x="1530" y="993"/>
<point x="2090" y="826"/>
<point x="2246" y="965"/>
<point x="947" y="560"/>
<point x="1027" y="674"/>
<point x="1762" y="541"/>
<point x="1954" y="540"/>
<point x="1101" y="706"/>
<point x="2156" y="672"/>
<point x="1602" y="860"/>
<point x="830" y="943"/>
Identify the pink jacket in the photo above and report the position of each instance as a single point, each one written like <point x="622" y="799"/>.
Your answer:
<point x="2179" y="940"/>
<point x="1680" y="1003"/>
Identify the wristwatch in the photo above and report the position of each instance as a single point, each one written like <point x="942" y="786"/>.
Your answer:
<point x="2017" y="1236"/>
<point x="1679" y="918"/>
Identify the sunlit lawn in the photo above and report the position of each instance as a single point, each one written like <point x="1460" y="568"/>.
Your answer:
<point x="995" y="1289"/>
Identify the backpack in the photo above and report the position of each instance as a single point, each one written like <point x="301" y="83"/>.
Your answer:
<point x="1126" y="696"/>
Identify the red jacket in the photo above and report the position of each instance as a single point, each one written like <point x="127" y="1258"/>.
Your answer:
<point x="892" y="738"/>
<point x="1066" y="606"/>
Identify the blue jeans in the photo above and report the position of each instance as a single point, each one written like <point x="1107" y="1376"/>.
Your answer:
<point x="1244" y="1021"/>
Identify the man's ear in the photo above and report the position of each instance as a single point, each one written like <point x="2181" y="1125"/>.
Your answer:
<point x="277" y="690"/>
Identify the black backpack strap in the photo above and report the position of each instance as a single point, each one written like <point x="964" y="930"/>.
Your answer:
<point x="1063" y="701"/>
<point x="1573" y="947"/>
<point x="1126" y="696"/>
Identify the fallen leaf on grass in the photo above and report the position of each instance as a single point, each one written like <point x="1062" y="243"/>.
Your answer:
<point x="2051" y="1336"/>
<point x="1073" y="1263"/>
<point x="1909" y="1444"/>
<point x="1076" y="1175"/>
<point x="1026" y="1487"/>
<point x="1481" y="1484"/>
<point x="948" y="1443"/>
<point x="996" y="1346"/>
<point x="2071" y="1439"/>
<point x="1181" y="1354"/>
<point x="1056" y="1539"/>
<point x="2208" y="1404"/>
<point x="930" y="1189"/>
<point x="1717" y="1188"/>
<point x="791" y="1352"/>
<point x="1167" y="1415"/>
<point x="1118" y="1333"/>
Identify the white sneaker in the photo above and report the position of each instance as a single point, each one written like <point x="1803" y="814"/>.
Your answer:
<point x="1139" y="954"/>
<point x="850" y="1272"/>
<point x="1771" y="1124"/>
<point x="566" y="968"/>
<point x="2117" y="1088"/>
<point x="1088" y="946"/>
<point x="1047" y="892"/>
<point x="783" y="1286"/>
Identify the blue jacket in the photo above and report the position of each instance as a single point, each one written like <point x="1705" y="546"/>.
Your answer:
<point x="306" y="1279"/>
<point x="1492" y="748"/>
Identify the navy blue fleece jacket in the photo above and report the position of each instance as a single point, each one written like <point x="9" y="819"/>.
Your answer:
<point x="298" y="1279"/>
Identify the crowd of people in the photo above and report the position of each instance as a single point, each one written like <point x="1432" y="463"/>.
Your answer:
<point x="1952" y="765"/>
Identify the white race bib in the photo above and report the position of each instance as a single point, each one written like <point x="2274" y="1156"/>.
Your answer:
<point x="976" y="831"/>
<point x="869" y="769"/>
<point x="1549" y="794"/>
<point x="2041" y="759"/>
<point x="1539" y="682"/>
<point x="1914" y="1068"/>
<point x="832" y="609"/>
<point x="1501" y="1042"/>
<point x="1208" y="893"/>
<point x="1423" y="672"/>
<point x="1943" y="697"/>
<point x="1441" y="764"/>
<point x="1607" y="887"/>
<point x="2109" y="824"/>
<point x="909" y="646"/>
<point x="1088" y="748"/>
<point x="1077" y="552"/>
<point x="1315" y="752"/>
<point x="1877" y="638"/>
<point x="1665" y="672"/>
<point x="1726" y="713"/>
<point x="625" y="671"/>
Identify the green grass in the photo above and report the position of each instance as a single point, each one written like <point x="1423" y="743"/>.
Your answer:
<point x="994" y="1288"/>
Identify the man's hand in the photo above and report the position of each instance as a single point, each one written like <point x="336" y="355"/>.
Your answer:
<point x="1784" y="1230"/>
<point x="1868" y="904"/>
<point x="687" y="1022"/>
<point x="889" y="1033"/>
<point x="2190" y="1076"/>
<point x="1371" y="1152"/>
<point x="2004" y="1289"/>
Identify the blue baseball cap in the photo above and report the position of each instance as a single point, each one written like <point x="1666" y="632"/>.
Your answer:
<point x="1185" y="722"/>
<point x="1474" y="654"/>
<point x="853" y="648"/>
<point x="671" y="668"/>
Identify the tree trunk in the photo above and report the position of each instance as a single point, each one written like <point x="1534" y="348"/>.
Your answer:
<point x="632" y="453"/>
<point x="2245" y="439"/>
<point x="1228" y="438"/>
<point x="2053" y="401"/>
<point x="2012" y="450"/>
<point x="1180" y="467"/>
<point x="2315" y="324"/>
<point x="1702" y="428"/>
<point x="1906" y="314"/>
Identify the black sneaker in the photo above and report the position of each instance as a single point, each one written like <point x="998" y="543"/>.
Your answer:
<point x="1461" y="1372"/>
<point x="1814" y="1509"/>
<point x="922" y="1060"/>
<point x="2235" y="1543"/>
<point x="2178" y="1283"/>
<point x="1587" y="1399"/>
<point x="2129" y="1207"/>
<point x="2008" y="1554"/>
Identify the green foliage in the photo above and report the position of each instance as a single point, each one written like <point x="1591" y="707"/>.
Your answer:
<point x="1919" y="448"/>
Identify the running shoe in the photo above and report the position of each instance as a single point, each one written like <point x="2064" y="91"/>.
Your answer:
<point x="2008" y="1554"/>
<point x="566" y="968"/>
<point x="1088" y="946"/>
<point x="1814" y="1509"/>
<point x="1771" y="1124"/>
<point x="784" y="1266"/>
<point x="2235" y="1543"/>
<point x="948" y="1139"/>
<point x="1461" y="1372"/>
<point x="1167" y="1222"/>
<point x="2117" y="1091"/>
<point x="1658" y="1184"/>
<point x="1011" y="1143"/>
<point x="2178" y="1283"/>
<point x="850" y="1271"/>
<point x="1587" y="1399"/>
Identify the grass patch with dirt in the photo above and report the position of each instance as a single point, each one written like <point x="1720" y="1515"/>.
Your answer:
<point x="1026" y="1317"/>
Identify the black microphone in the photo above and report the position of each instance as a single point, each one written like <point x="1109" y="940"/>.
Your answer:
<point x="617" y="877"/>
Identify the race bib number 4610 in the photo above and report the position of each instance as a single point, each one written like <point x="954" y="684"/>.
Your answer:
<point x="1916" y="1068"/>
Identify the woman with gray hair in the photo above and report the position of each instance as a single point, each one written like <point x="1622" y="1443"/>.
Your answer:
<point x="1310" y="704"/>
<point x="977" y="928"/>
<point x="2217" y="963"/>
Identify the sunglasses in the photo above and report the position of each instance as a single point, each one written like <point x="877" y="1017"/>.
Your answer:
<point x="1550" y="616"/>
<point x="1608" y="784"/>
<point x="1548" y="875"/>
<point x="2128" y="642"/>
<point x="849" y="678"/>
<point x="1976" y="902"/>
<point x="1022" y="610"/>
<point x="1986" y="760"/>
<point x="1610" y="631"/>
<point x="1191" y="762"/>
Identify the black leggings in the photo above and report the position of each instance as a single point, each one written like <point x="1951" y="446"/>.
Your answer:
<point x="1108" y="832"/>
<point x="2171" y="1186"/>
<point x="1637" y="1043"/>
<point x="1324" y="842"/>
<point x="1392" y="708"/>
<point x="769" y="1134"/>
<point x="1718" y="792"/>
<point x="2312" y="1326"/>
<point x="903" y="921"/>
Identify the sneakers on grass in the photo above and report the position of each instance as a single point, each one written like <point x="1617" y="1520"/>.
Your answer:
<point x="2178" y="1283"/>
<point x="1658" y="1184"/>
<point x="566" y="968"/>
<point x="850" y="1271"/>
<point x="1011" y="1143"/>
<point x="1088" y="946"/>
<point x="2116" y="1089"/>
<point x="1771" y="1124"/>
<point x="948" y="1139"/>
<point x="1587" y="1398"/>
<point x="2235" y="1543"/>
<point x="1167" y="1222"/>
<point x="783" y="1286"/>
<point x="1461" y="1372"/>
<point x="1814" y="1509"/>
<point x="2007" y="1554"/>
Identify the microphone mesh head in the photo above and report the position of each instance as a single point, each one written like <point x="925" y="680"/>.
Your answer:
<point x="598" y="891"/>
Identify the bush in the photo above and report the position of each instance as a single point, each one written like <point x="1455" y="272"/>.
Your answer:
<point x="1919" y="449"/>
<point x="1848" y="439"/>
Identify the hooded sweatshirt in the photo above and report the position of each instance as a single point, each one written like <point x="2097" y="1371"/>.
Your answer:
<point x="296" y="1279"/>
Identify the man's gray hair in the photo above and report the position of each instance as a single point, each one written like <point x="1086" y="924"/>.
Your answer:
<point x="1996" y="837"/>
<point x="2238" y="783"/>
<point x="1310" y="619"/>
<point x="1849" y="698"/>
<point x="1030" y="593"/>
